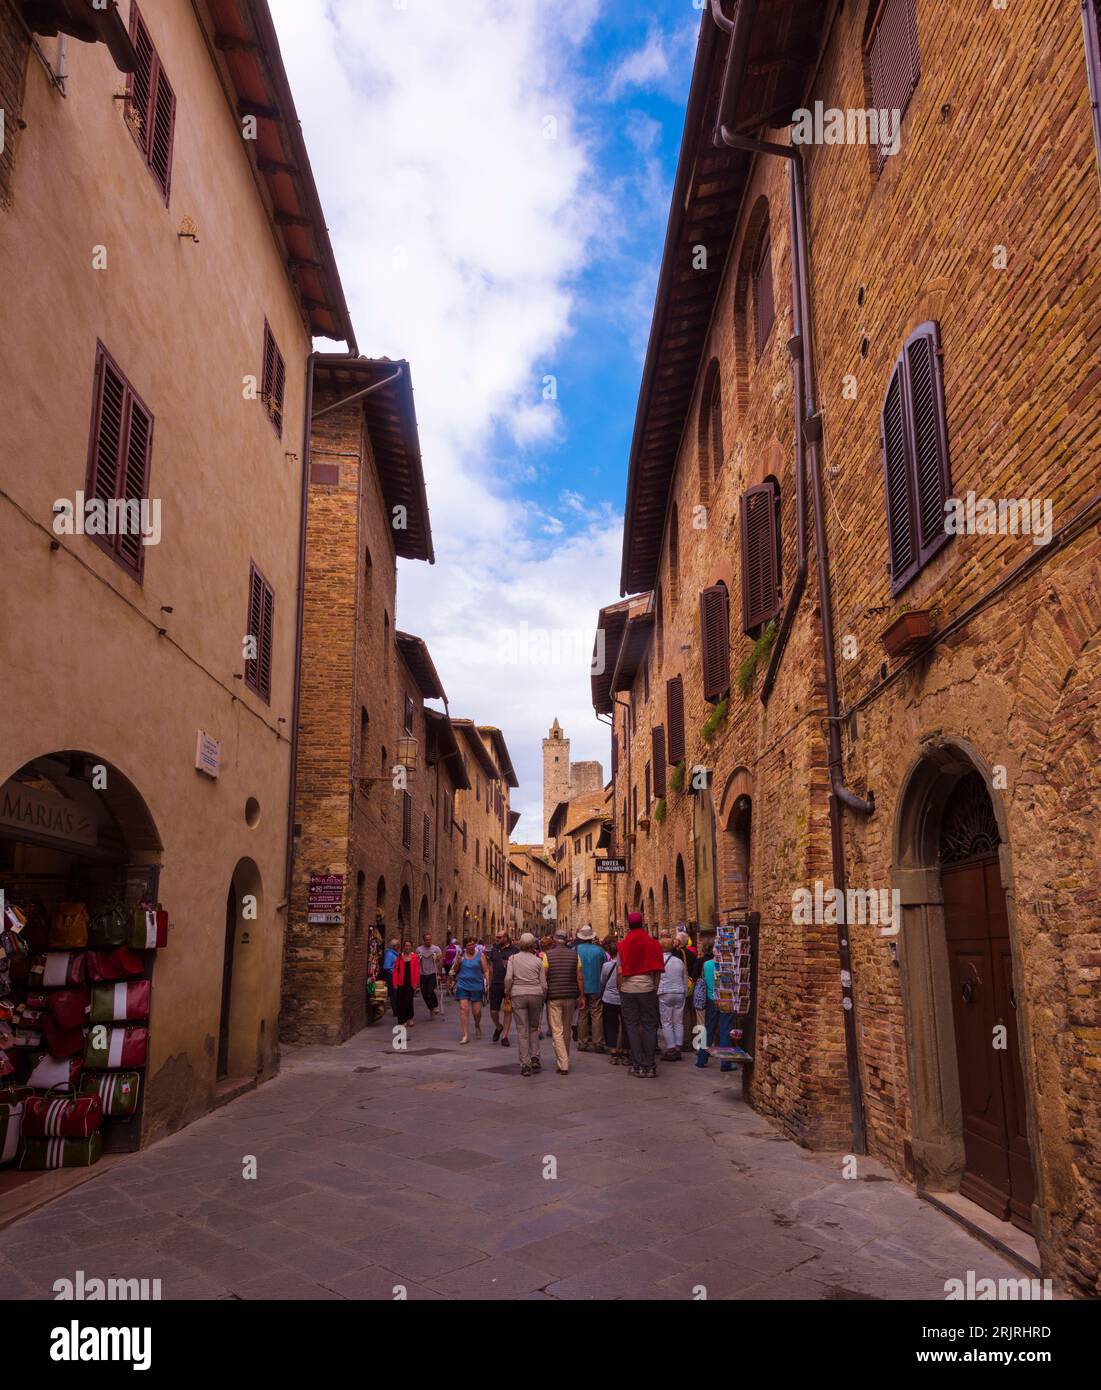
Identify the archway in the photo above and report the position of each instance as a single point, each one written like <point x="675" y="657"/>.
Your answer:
<point x="734" y="856"/>
<point x="961" y="987"/>
<point x="423" y="924"/>
<point x="405" y="912"/>
<point x="237" y="1029"/>
<point x="665" y="903"/>
<point x="651" y="916"/>
<point x="636" y="900"/>
<point x="681" y="896"/>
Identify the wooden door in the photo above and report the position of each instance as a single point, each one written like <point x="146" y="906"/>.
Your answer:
<point x="997" y="1161"/>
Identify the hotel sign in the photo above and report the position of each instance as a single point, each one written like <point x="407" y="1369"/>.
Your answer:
<point x="611" y="866"/>
<point x="24" y="809"/>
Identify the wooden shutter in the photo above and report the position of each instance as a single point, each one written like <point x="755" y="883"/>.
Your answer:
<point x="647" y="778"/>
<point x="916" y="474"/>
<point x="764" y="306"/>
<point x="427" y="849"/>
<point x="674" y="711"/>
<point x="406" y="819"/>
<point x="715" y="642"/>
<point x="261" y="626"/>
<point x="162" y="130"/>
<point x="760" y="555"/>
<point x="151" y="105"/>
<point x="657" y="754"/>
<point x="119" y="454"/>
<point x="274" y="381"/>
<point x="894" y="62"/>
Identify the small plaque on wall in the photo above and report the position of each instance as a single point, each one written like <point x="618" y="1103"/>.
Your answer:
<point x="208" y="755"/>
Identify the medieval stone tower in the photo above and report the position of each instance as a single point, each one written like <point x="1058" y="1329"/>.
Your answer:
<point x="556" y="774"/>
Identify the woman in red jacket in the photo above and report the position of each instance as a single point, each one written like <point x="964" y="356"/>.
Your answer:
<point x="407" y="976"/>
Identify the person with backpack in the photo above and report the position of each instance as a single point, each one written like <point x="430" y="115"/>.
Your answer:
<point x="590" y="1020"/>
<point x="672" y="988"/>
<point x="565" y="987"/>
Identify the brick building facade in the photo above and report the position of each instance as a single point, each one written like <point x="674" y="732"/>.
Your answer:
<point x="581" y="893"/>
<point x="862" y="692"/>
<point x="538" y="887"/>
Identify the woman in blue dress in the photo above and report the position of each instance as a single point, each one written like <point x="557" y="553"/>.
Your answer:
<point x="471" y="974"/>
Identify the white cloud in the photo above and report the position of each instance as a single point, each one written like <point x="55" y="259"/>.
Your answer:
<point x="461" y="231"/>
<point x="657" y="66"/>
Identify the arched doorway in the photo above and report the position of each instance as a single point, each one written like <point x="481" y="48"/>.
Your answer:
<point x="665" y="903"/>
<point x="636" y="900"/>
<point x="735" y="856"/>
<point x="651" y="914"/>
<point x="423" y="923"/>
<point x="237" y="1036"/>
<point x="405" y="912"/>
<point x="681" y="896"/>
<point x="961" y="998"/>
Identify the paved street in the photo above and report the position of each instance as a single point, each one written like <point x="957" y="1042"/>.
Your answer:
<point x="425" y="1170"/>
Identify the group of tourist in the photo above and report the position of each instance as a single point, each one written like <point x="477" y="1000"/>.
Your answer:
<point x="612" y="997"/>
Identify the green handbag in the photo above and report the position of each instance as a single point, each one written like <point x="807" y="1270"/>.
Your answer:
<point x="110" y="924"/>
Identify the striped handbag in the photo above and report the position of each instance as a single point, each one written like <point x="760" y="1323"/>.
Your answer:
<point x="61" y="1117"/>
<point x="118" y="1090"/>
<point x="39" y="1154"/>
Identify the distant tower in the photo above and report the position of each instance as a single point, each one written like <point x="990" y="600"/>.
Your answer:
<point x="556" y="774"/>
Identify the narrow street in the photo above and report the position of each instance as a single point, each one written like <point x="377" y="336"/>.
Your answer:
<point x="380" y="1170"/>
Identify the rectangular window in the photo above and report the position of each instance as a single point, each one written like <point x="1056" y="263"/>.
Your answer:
<point x="409" y="707"/>
<point x="274" y="384"/>
<point x="634" y="805"/>
<point x="674" y="711"/>
<point x="715" y="642"/>
<point x="647" y="775"/>
<point x="427" y="837"/>
<point x="588" y="844"/>
<point x="119" y="455"/>
<point x="407" y="819"/>
<point x="464" y="836"/>
<point x="894" y="63"/>
<point x="150" y="108"/>
<point x="261" y="634"/>
<point x="760" y="527"/>
<point x="764" y="306"/>
<point x="916" y="474"/>
<point x="657" y="753"/>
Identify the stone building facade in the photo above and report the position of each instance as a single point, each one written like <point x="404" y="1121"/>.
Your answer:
<point x="539" y="897"/>
<point x="152" y="368"/>
<point x="581" y="893"/>
<point x="479" y="899"/>
<point x="563" y="779"/>
<point x="869" y="684"/>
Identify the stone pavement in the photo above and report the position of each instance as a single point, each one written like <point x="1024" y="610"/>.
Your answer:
<point x="425" y="1170"/>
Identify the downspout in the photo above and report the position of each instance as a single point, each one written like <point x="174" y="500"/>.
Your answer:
<point x="299" y="622"/>
<point x="811" y="428"/>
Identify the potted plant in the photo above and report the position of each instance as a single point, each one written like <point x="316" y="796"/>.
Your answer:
<point x="910" y="629"/>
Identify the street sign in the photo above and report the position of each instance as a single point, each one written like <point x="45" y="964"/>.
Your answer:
<point x="611" y="866"/>
<point x="326" y="899"/>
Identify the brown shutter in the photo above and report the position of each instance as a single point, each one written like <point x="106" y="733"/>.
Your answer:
<point x="267" y="389"/>
<point x="261" y="626"/>
<point x="406" y="819"/>
<point x="657" y="744"/>
<point x="647" y="788"/>
<point x="268" y="641"/>
<point x="764" y="307"/>
<point x="930" y="438"/>
<point x="119" y="454"/>
<point x="916" y="475"/>
<point x="715" y="642"/>
<point x="427" y="851"/>
<point x="108" y="421"/>
<point x="760" y="555"/>
<point x="139" y="105"/>
<point x="674" y="709"/>
<point x="135" y="479"/>
<point x="893" y="59"/>
<point x="163" y="129"/>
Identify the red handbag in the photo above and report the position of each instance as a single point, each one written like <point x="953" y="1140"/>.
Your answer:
<point x="115" y="1047"/>
<point x="69" y="1117"/>
<point x="67" y="1008"/>
<point x="58" y="969"/>
<point x="119" y="964"/>
<point x="62" y="1042"/>
<point x="47" y="1071"/>
<point x="121" y="1002"/>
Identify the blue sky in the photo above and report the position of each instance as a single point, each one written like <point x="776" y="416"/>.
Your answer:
<point x="496" y="177"/>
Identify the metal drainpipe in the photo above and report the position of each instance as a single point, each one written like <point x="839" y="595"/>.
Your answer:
<point x="811" y="427"/>
<point x="292" y="790"/>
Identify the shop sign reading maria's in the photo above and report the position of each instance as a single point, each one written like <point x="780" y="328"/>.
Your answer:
<point x="24" y="808"/>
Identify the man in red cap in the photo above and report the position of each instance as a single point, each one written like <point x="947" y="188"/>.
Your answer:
<point x="638" y="968"/>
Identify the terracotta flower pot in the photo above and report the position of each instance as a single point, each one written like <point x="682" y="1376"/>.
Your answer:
<point x="909" y="630"/>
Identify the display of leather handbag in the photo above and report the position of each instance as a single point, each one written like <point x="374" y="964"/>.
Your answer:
<point x="58" y="969"/>
<point x="109" y="924"/>
<point x="41" y="1154"/>
<point x="61" y="1117"/>
<point x="62" y="1042"/>
<point x="48" y="1072"/>
<point x="116" y="1047"/>
<point x="67" y="1008"/>
<point x="7" y="1063"/>
<point x="11" y="1127"/>
<point x="69" y="928"/>
<point x="121" y="1002"/>
<point x="118" y="1090"/>
<point x="148" y="927"/>
<point x="119" y="964"/>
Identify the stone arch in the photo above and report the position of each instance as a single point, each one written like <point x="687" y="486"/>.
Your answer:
<point x="928" y="986"/>
<point x="651" y="913"/>
<point x="405" y="911"/>
<point x="239" y="1020"/>
<point x="680" y="891"/>
<point x="734" y="841"/>
<point x="423" y="920"/>
<point x="665" y="918"/>
<point x="709" y="430"/>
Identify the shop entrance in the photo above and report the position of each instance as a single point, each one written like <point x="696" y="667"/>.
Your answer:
<point x="79" y="852"/>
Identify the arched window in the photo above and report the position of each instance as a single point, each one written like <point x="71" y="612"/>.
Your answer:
<point x="764" y="304"/>
<point x="674" y="554"/>
<point x="710" y="429"/>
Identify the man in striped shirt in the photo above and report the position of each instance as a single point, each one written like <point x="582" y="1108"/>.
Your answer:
<point x="565" y="986"/>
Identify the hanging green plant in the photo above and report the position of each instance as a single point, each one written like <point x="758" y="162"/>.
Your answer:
<point x="659" y="810"/>
<point x="715" y="720"/>
<point x="676" y="777"/>
<point x="761" y="651"/>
